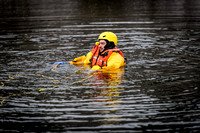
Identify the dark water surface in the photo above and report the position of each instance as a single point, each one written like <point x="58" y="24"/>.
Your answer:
<point x="158" y="90"/>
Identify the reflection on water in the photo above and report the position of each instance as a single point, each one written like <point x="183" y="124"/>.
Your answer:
<point x="157" y="91"/>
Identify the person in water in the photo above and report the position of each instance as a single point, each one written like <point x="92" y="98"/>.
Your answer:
<point x="104" y="55"/>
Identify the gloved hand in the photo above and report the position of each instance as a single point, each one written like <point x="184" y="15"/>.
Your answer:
<point x="95" y="68"/>
<point x="95" y="48"/>
<point x="97" y="43"/>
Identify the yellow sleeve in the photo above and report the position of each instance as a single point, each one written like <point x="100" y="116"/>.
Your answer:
<point x="115" y="61"/>
<point x="82" y="59"/>
<point x="78" y="60"/>
<point x="88" y="57"/>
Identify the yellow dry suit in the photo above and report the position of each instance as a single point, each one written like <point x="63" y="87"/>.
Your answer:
<point x="108" y="60"/>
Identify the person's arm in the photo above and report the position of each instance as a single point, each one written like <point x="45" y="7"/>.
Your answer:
<point x="115" y="61"/>
<point x="83" y="59"/>
<point x="78" y="60"/>
<point x="88" y="58"/>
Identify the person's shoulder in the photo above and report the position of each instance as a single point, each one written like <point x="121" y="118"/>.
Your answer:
<point x="116" y="54"/>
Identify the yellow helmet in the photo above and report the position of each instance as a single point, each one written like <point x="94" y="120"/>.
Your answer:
<point x="110" y="36"/>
